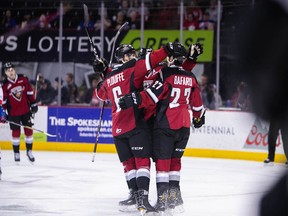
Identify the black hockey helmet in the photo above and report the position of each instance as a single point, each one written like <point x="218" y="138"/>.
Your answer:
<point x="178" y="61"/>
<point x="122" y="50"/>
<point x="7" y="65"/>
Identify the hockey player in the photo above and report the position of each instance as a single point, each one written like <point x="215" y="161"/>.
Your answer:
<point x="3" y="115"/>
<point x="1" y="95"/>
<point x="2" y="119"/>
<point x="19" y="101"/>
<point x="174" y="91"/>
<point x="2" y="112"/>
<point x="131" y="133"/>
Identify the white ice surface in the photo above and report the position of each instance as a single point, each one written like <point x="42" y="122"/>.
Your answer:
<point x="69" y="184"/>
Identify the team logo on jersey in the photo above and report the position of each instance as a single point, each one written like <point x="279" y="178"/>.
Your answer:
<point x="17" y="92"/>
<point x="147" y="83"/>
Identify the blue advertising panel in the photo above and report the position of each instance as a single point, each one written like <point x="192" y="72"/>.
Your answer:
<point x="74" y="124"/>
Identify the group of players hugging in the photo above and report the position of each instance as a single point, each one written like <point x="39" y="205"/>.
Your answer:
<point x="152" y="94"/>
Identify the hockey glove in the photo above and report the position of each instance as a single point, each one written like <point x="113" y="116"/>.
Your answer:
<point x="175" y="49"/>
<point x="3" y="116"/>
<point x="198" y="122"/>
<point x="129" y="100"/>
<point x="194" y="51"/>
<point x="100" y="66"/>
<point x="143" y="51"/>
<point x="33" y="108"/>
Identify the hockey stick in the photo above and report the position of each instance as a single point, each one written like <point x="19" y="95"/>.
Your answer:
<point x="98" y="131"/>
<point x="114" y="42"/>
<point x="103" y="104"/>
<point x="36" y="85"/>
<point x="86" y="22"/>
<point x="35" y="129"/>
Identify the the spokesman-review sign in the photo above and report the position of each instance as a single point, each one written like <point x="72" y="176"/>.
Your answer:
<point x="72" y="124"/>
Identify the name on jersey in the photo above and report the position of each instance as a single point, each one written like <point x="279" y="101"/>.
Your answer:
<point x="115" y="79"/>
<point x="181" y="80"/>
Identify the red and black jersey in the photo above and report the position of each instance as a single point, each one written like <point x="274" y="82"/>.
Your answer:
<point x="174" y="91"/>
<point x="124" y="80"/>
<point x="17" y="95"/>
<point x="152" y="76"/>
<point x="1" y="95"/>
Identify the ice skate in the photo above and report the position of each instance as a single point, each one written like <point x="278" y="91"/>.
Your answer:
<point x="268" y="162"/>
<point x="143" y="204"/>
<point x="161" y="204"/>
<point x="175" y="201"/>
<point x="129" y="205"/>
<point x="17" y="157"/>
<point x="30" y="156"/>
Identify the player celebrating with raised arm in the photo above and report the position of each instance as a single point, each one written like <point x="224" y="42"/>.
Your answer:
<point x="131" y="133"/>
<point x="20" y="103"/>
<point x="174" y="91"/>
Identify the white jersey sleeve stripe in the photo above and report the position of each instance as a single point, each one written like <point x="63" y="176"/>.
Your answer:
<point x="147" y="62"/>
<point x="30" y="93"/>
<point x="152" y="95"/>
<point x="198" y="108"/>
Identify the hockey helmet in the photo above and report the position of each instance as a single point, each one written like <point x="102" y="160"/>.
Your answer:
<point x="7" y="65"/>
<point x="122" y="50"/>
<point x="178" y="61"/>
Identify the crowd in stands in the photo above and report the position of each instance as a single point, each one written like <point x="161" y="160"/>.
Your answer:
<point x="47" y="93"/>
<point x="212" y="100"/>
<point x="71" y="94"/>
<point x="158" y="14"/>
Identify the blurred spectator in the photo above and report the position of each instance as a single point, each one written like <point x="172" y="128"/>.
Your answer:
<point x="72" y="88"/>
<point x="33" y="86"/>
<point x="190" y="23"/>
<point x="65" y="95"/>
<point x="82" y="90"/>
<point x="211" y="100"/>
<point x="240" y="88"/>
<point x="266" y="77"/>
<point x="91" y="97"/>
<point x="194" y="9"/>
<point x="126" y="8"/>
<point x="241" y="98"/>
<point x="146" y="10"/>
<point x="120" y="19"/>
<point x="204" y="80"/>
<point x="25" y="21"/>
<point x="134" y="22"/>
<point x="206" y="23"/>
<point x="90" y="23"/>
<point x="107" y="21"/>
<point x="8" y="21"/>
<point x="39" y="82"/>
<point x="44" y="22"/>
<point x="46" y="94"/>
<point x="213" y="10"/>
